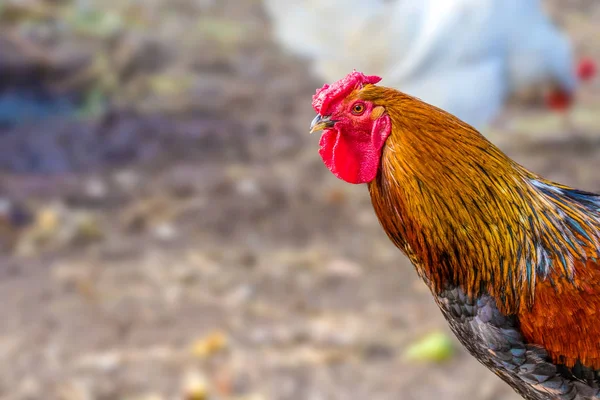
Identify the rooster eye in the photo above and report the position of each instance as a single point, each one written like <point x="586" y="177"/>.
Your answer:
<point x="358" y="108"/>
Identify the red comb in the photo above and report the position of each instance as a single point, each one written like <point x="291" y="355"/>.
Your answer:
<point x="586" y="69"/>
<point x="328" y="93"/>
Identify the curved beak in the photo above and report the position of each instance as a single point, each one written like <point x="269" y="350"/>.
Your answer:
<point x="320" y="123"/>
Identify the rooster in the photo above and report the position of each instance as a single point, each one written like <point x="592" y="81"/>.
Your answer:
<point x="465" y="56"/>
<point x="512" y="259"/>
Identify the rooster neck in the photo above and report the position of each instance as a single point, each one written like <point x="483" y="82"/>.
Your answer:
<point x="466" y="215"/>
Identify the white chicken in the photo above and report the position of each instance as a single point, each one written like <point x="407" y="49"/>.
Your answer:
<point x="465" y="56"/>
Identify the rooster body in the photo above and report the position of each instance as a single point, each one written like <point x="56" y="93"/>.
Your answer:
<point x="511" y="258"/>
<point x="465" y="56"/>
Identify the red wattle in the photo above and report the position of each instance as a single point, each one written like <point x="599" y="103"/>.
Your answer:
<point x="351" y="159"/>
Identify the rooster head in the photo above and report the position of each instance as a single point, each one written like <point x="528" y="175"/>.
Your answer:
<point x="353" y="129"/>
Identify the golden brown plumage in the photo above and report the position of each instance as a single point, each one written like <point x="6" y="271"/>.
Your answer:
<point x="477" y="225"/>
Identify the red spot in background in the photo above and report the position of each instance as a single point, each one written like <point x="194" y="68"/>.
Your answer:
<point x="559" y="100"/>
<point x="586" y="69"/>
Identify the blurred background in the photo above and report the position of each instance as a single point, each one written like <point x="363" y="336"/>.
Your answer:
<point x="168" y="230"/>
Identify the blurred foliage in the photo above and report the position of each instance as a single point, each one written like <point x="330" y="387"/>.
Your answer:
<point x="93" y="22"/>
<point x="227" y="33"/>
<point x="121" y="54"/>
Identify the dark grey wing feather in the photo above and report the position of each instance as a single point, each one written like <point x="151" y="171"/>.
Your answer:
<point x="495" y="340"/>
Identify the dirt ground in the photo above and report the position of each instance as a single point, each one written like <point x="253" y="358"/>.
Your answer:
<point x="179" y="236"/>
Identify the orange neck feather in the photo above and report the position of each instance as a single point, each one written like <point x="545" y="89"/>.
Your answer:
<point x="466" y="214"/>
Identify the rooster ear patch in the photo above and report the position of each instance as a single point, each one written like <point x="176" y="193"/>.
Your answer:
<point x="377" y="112"/>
